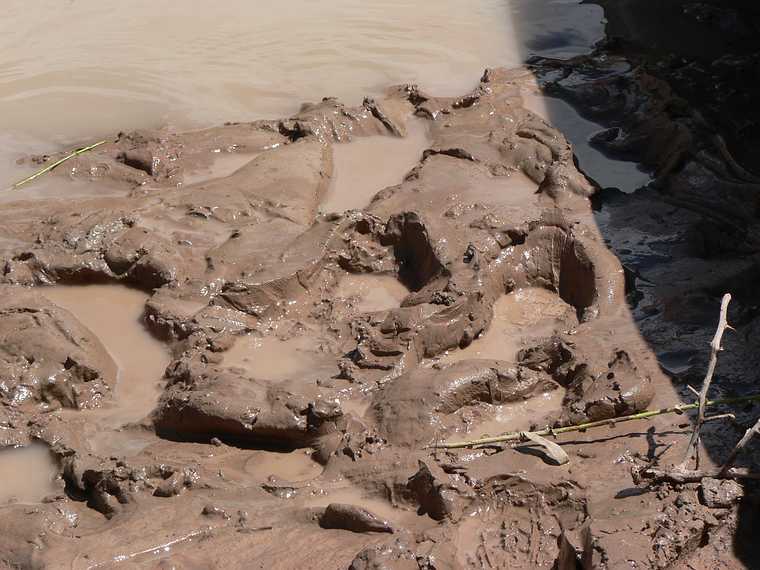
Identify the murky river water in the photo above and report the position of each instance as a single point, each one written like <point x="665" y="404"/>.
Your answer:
<point x="75" y="70"/>
<point x="74" y="67"/>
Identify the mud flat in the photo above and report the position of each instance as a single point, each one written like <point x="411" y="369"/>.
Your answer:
<point x="307" y="359"/>
<point x="243" y="348"/>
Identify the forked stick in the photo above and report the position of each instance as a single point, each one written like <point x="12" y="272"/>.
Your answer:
<point x="715" y="348"/>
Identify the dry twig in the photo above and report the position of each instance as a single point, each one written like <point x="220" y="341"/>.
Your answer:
<point x="682" y="476"/>
<point x="715" y="348"/>
<point x="749" y="434"/>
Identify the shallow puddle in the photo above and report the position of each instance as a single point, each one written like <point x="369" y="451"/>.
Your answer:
<point x="270" y="358"/>
<point x="26" y="474"/>
<point x="518" y="318"/>
<point x="366" y="165"/>
<point x="115" y="315"/>
<point x="295" y="466"/>
<point x="372" y="293"/>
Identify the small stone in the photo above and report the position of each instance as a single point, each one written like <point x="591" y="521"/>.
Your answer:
<point x="353" y="518"/>
<point x="212" y="511"/>
<point x="720" y="494"/>
<point x="216" y="441"/>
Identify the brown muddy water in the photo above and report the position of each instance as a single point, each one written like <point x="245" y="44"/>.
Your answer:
<point x="273" y="359"/>
<point x="359" y="175"/>
<point x="104" y="67"/>
<point x="115" y="315"/>
<point x="371" y="293"/>
<point x="26" y="474"/>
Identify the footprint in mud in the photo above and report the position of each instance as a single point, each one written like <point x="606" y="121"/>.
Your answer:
<point x="519" y="416"/>
<point x="518" y="318"/>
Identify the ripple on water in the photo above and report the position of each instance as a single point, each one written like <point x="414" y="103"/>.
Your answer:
<point x="105" y="60"/>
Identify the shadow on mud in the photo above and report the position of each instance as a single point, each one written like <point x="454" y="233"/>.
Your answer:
<point x="669" y="89"/>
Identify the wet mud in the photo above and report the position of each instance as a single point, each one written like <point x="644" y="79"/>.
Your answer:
<point x="677" y="105"/>
<point x="311" y="357"/>
<point x="241" y="352"/>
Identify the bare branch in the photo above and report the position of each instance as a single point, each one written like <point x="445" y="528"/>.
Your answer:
<point x="748" y="435"/>
<point x="715" y="348"/>
<point x="694" y="476"/>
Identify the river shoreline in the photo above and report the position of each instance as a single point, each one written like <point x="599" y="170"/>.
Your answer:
<point x="294" y="358"/>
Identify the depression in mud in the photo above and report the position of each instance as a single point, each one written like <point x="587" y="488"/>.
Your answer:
<point x="385" y="285"/>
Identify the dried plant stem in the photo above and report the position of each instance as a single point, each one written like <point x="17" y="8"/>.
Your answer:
<point x="682" y="476"/>
<point x="715" y="348"/>
<point x="518" y="435"/>
<point x="748" y="435"/>
<point x="57" y="163"/>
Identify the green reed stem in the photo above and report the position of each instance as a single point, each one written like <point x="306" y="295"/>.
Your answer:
<point x="517" y="436"/>
<point x="57" y="163"/>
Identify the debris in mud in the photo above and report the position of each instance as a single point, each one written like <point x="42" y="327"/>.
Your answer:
<point x="715" y="493"/>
